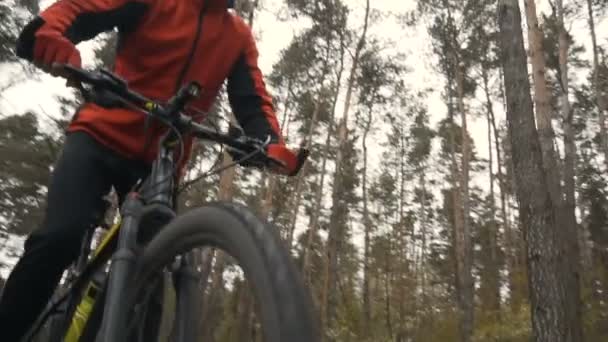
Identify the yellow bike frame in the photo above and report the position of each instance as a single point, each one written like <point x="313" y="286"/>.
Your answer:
<point x="83" y="310"/>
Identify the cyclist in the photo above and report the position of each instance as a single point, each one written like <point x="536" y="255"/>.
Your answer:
<point x="162" y="45"/>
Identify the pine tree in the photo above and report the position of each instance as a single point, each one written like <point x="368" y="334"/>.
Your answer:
<point x="537" y="207"/>
<point x="27" y="154"/>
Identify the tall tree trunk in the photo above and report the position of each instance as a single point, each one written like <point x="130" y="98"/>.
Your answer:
<point x="207" y="256"/>
<point x="519" y="241"/>
<point x="251" y="17"/>
<point x="493" y="302"/>
<point x="318" y="202"/>
<point x="211" y="300"/>
<point x="464" y="252"/>
<point x="571" y="233"/>
<point x="566" y="221"/>
<point x="420" y="304"/>
<point x="516" y="294"/>
<point x="316" y="212"/>
<point x="267" y="202"/>
<point x="244" y="315"/>
<point x="335" y="234"/>
<point x="597" y="91"/>
<point x="302" y="174"/>
<point x="387" y="293"/>
<point x="542" y="102"/>
<point x="402" y="273"/>
<point x="424" y="232"/>
<point x="548" y="292"/>
<point x="225" y="193"/>
<point x="367" y="222"/>
<point x="457" y="214"/>
<point x="315" y="215"/>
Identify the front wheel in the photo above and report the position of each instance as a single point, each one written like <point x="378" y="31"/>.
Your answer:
<point x="285" y="305"/>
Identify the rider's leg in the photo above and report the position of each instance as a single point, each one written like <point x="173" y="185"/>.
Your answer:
<point x="79" y="181"/>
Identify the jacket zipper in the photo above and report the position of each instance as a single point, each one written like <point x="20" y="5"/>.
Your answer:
<point x="182" y="74"/>
<point x="197" y="37"/>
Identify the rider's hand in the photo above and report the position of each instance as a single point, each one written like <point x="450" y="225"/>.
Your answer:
<point x="288" y="162"/>
<point x="51" y="49"/>
<point x="284" y="161"/>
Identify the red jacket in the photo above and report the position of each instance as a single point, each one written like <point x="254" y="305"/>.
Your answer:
<point x="164" y="44"/>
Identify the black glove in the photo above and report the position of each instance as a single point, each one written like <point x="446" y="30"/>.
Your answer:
<point x="247" y="158"/>
<point x="271" y="155"/>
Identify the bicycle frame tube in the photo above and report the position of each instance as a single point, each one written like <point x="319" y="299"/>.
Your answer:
<point x="79" y="324"/>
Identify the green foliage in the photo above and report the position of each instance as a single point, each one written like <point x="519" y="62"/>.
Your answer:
<point x="26" y="154"/>
<point x="422" y="136"/>
<point x="12" y="17"/>
<point x="513" y="326"/>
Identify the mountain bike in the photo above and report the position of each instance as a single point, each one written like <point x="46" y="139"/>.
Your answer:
<point x="112" y="288"/>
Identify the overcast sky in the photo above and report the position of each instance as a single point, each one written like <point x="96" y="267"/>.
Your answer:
<point x="274" y="35"/>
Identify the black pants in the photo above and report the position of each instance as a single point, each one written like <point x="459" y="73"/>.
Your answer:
<point x="84" y="173"/>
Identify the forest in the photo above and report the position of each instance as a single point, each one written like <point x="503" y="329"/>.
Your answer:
<point x="456" y="188"/>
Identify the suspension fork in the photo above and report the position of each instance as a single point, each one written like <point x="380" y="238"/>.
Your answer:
<point x="122" y="268"/>
<point x="186" y="280"/>
<point x="157" y="194"/>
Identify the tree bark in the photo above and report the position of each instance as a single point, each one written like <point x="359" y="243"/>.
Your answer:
<point x="423" y="230"/>
<point x="571" y="233"/>
<point x="493" y="302"/>
<point x="211" y="300"/>
<point x="387" y="293"/>
<point x="244" y="316"/>
<point x="457" y="219"/>
<point x="367" y="222"/>
<point x="515" y="293"/>
<point x="548" y="292"/>
<point x="402" y="273"/>
<point x="542" y="103"/>
<point x="597" y="91"/>
<point x="464" y="252"/>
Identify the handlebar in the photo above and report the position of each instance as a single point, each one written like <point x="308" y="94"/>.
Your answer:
<point x="105" y="81"/>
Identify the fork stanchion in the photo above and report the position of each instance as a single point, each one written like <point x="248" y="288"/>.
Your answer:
<point x="186" y="281"/>
<point x="121" y="271"/>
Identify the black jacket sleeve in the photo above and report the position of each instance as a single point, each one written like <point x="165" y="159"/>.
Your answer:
<point x="81" y="20"/>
